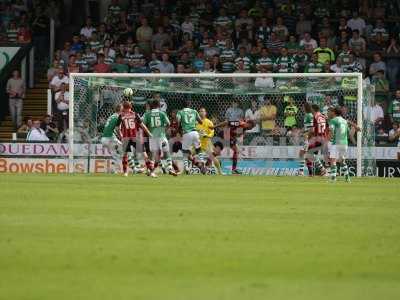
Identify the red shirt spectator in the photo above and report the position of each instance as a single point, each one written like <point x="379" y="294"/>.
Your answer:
<point x="101" y="66"/>
<point x="24" y="35"/>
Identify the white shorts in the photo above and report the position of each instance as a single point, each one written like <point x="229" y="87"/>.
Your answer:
<point x="190" y="139"/>
<point x="112" y="144"/>
<point x="338" y="151"/>
<point x="158" y="144"/>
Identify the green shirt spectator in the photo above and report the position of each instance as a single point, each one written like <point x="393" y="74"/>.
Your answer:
<point x="119" y="66"/>
<point x="394" y="108"/>
<point x="325" y="54"/>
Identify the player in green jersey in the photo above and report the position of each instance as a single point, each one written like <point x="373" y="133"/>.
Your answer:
<point x="157" y="121"/>
<point x="110" y="139"/>
<point x="308" y="129"/>
<point x="339" y="131"/>
<point x="188" y="119"/>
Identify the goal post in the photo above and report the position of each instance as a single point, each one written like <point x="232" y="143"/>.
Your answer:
<point x="92" y="96"/>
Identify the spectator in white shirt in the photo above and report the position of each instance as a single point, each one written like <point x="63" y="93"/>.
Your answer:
<point x="337" y="67"/>
<point x="187" y="26"/>
<point x="308" y="42"/>
<point x="62" y="98"/>
<point x="165" y="65"/>
<point x="356" y="23"/>
<point x="211" y="50"/>
<point x="59" y="79"/>
<point x="377" y="65"/>
<point x="357" y="43"/>
<point x="37" y="134"/>
<point x="264" y="82"/>
<point x="374" y="114"/>
<point x="253" y="114"/>
<point x="88" y="29"/>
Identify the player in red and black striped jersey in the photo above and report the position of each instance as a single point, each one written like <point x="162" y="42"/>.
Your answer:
<point x="130" y="123"/>
<point x="319" y="124"/>
<point x="175" y="134"/>
<point x="319" y="139"/>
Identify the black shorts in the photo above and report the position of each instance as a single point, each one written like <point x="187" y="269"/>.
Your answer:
<point x="128" y="145"/>
<point x="146" y="147"/>
<point x="315" y="148"/>
<point x="233" y="136"/>
<point x="176" y="147"/>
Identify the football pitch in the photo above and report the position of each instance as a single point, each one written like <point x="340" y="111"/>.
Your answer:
<point x="198" y="237"/>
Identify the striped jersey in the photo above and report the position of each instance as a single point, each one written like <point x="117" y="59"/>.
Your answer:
<point x="285" y="64"/>
<point x="265" y="62"/>
<point x="83" y="64"/>
<point x="195" y="18"/>
<point x="90" y="58"/>
<point x="134" y="58"/>
<point x="95" y="45"/>
<point x="312" y="67"/>
<point x="246" y="60"/>
<point x="227" y="59"/>
<point x="12" y="35"/>
<point x="130" y="122"/>
<point x="223" y="21"/>
<point x="263" y="33"/>
<point x="320" y="126"/>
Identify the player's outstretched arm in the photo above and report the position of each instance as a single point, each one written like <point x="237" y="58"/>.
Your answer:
<point x="146" y="130"/>
<point x="199" y="120"/>
<point x="221" y="124"/>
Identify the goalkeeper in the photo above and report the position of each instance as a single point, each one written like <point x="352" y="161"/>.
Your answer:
<point x="110" y="138"/>
<point x="206" y="132"/>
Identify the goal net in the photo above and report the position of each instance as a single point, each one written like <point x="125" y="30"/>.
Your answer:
<point x="274" y="102"/>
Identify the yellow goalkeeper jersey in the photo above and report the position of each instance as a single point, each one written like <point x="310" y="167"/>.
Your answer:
<point x="206" y="130"/>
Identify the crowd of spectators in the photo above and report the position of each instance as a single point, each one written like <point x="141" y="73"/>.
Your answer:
<point x="280" y="36"/>
<point x="26" y="21"/>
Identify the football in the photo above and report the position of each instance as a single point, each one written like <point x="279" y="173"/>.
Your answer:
<point x="128" y="92"/>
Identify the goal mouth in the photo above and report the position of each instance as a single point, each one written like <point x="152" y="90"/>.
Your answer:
<point x="264" y="140"/>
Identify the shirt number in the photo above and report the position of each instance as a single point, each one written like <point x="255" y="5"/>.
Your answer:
<point x="155" y="121"/>
<point x="189" y="118"/>
<point x="129" y="123"/>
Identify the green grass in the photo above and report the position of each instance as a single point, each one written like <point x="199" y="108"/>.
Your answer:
<point x="192" y="238"/>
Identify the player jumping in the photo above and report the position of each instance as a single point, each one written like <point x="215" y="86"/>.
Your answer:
<point x="187" y="119"/>
<point x="110" y="139"/>
<point x="318" y="142"/>
<point x="157" y="121"/>
<point x="175" y="136"/>
<point x="130" y="122"/>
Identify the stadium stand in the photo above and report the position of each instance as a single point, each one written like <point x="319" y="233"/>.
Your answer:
<point x="182" y="36"/>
